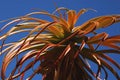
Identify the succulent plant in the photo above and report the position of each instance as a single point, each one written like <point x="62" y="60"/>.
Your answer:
<point x="62" y="49"/>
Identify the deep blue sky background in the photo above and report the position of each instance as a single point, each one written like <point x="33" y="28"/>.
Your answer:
<point x="14" y="8"/>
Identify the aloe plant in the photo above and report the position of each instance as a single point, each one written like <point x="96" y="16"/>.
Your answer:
<point x="62" y="49"/>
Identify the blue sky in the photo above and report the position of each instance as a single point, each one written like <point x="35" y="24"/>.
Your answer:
<point x="14" y="8"/>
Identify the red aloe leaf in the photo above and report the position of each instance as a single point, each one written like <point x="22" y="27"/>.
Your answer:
<point x="112" y="45"/>
<point x="71" y="18"/>
<point x="108" y="51"/>
<point x="109" y="68"/>
<point x="67" y="49"/>
<point x="109" y="59"/>
<point x="97" y="37"/>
